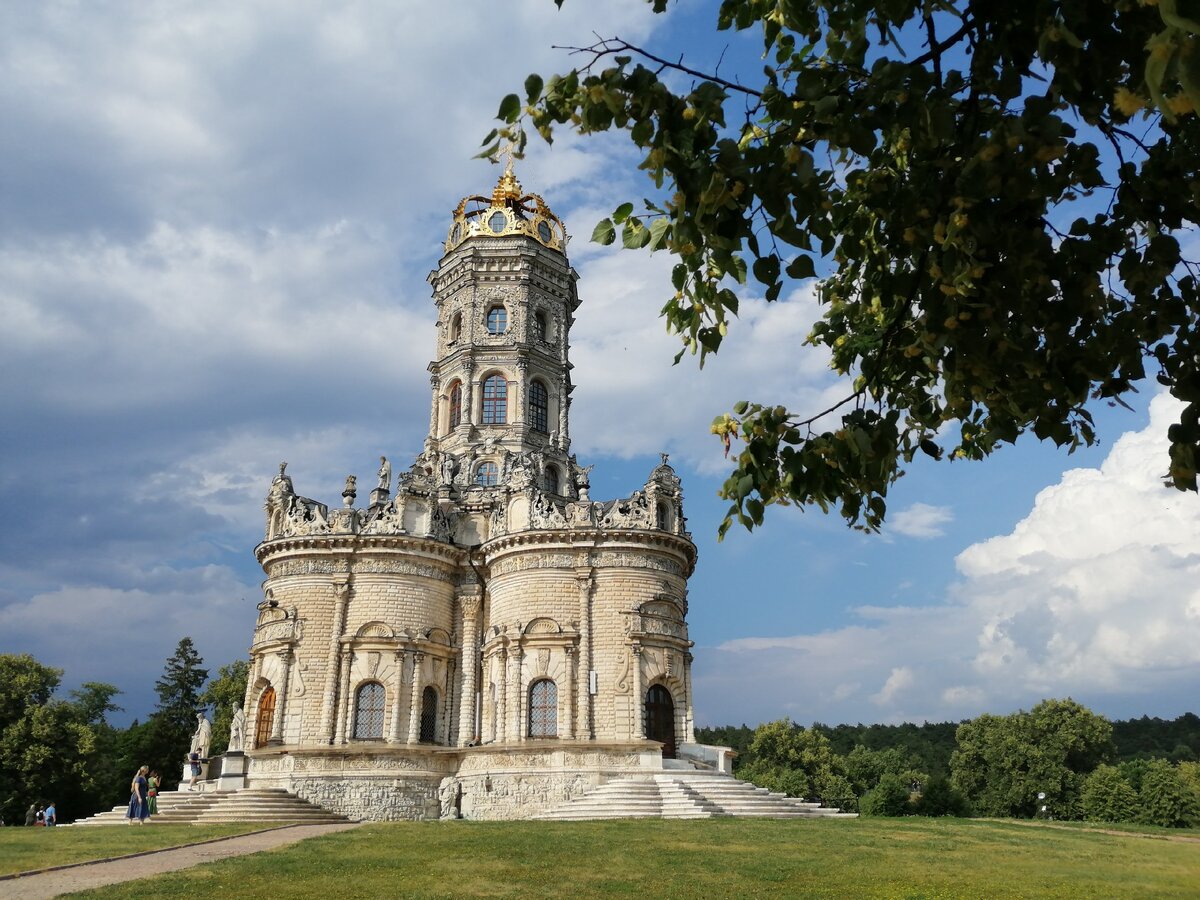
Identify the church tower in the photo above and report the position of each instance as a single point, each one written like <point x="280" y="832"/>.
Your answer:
<point x="506" y="299"/>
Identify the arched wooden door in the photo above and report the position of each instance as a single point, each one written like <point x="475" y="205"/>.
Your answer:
<point x="660" y="719"/>
<point x="266" y="717"/>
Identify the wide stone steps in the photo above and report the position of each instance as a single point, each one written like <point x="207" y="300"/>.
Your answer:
<point x="243" y="806"/>
<point x="678" y="794"/>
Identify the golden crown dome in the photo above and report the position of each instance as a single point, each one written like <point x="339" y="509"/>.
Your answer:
<point x="507" y="212"/>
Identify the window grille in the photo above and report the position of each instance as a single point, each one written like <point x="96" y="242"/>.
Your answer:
<point x="543" y="708"/>
<point x="495" y="400"/>
<point x="539" y="407"/>
<point x="456" y="405"/>
<point x="487" y="474"/>
<point x="429" y="704"/>
<point x="497" y="320"/>
<point x="551" y="480"/>
<point x="368" y="711"/>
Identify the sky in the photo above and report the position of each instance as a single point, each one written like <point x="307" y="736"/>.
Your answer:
<point x="216" y="222"/>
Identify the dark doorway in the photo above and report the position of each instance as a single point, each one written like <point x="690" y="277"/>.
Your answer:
<point x="266" y="717"/>
<point x="660" y="719"/>
<point x="429" y="704"/>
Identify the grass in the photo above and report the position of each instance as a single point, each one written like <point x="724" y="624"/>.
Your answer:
<point x="24" y="849"/>
<point x="908" y="858"/>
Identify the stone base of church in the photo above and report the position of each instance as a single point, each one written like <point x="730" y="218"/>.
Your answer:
<point x="496" y="781"/>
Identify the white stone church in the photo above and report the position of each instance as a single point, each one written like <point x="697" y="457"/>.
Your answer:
<point x="485" y="638"/>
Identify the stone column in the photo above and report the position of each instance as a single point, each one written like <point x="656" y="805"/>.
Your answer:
<point x="435" y="412"/>
<point x="519" y="390"/>
<point x="470" y="415"/>
<point x="285" y="663"/>
<point x="449" y="725"/>
<point x="343" y="704"/>
<point x="341" y="591"/>
<point x="502" y="697"/>
<point x="414" y="703"/>
<point x="471" y="607"/>
<point x="639" y="701"/>
<point x="515" y="687"/>
<point x="564" y="401"/>
<point x="397" y="705"/>
<point x="583" y="581"/>
<point x="568" y="704"/>
<point x="689" y="721"/>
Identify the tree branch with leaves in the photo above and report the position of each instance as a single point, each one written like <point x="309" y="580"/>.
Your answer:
<point x="996" y="213"/>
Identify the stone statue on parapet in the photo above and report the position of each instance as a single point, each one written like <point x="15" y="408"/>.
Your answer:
<point x="385" y="474"/>
<point x="237" y="730"/>
<point x="202" y="739"/>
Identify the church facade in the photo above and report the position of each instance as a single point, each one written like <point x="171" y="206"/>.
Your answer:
<point x="484" y="634"/>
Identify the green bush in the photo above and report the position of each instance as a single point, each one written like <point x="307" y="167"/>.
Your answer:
<point x="1166" y="799"/>
<point x="1108" y="797"/>
<point x="940" y="799"/>
<point x="888" y="798"/>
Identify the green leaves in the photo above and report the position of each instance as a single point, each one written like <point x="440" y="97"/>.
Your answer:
<point x="990" y="265"/>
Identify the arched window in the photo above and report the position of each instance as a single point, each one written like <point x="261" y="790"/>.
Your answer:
<point x="456" y="405"/>
<point x="265" y="718"/>
<point x="551" y="480"/>
<point x="539" y="407"/>
<point x="456" y="327"/>
<point x="368" y="711"/>
<point x="487" y="474"/>
<point x="497" y="320"/>
<point x="539" y="326"/>
<point x="495" y="400"/>
<point x="429" y="705"/>
<point x="543" y="708"/>
<point x="664" y="516"/>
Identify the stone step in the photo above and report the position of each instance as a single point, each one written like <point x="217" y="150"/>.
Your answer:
<point x="675" y="793"/>
<point x="277" y="806"/>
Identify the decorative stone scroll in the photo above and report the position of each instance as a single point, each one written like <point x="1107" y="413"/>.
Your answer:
<point x="534" y="561"/>
<point x="617" y="559"/>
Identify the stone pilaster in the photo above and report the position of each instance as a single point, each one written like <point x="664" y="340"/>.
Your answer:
<point x="501" y="725"/>
<point x="397" y="704"/>
<point x="414" y="703"/>
<point x="343" y="704"/>
<point x="341" y="592"/>
<point x="639" y="699"/>
<point x="689" y="725"/>
<point x="584" y="728"/>
<point x="285" y="664"/>
<point x="467" y="726"/>
<point x="568" y="688"/>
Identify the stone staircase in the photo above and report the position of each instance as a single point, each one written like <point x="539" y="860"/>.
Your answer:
<point x="680" y="794"/>
<point x="188" y="808"/>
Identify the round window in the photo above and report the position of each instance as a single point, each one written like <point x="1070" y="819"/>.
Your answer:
<point x="544" y="232"/>
<point x="498" y="222"/>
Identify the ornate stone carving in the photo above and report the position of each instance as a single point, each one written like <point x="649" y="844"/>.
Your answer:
<point x="534" y="561"/>
<point x="614" y="558"/>
<point x="634" y="512"/>
<point x="544" y="514"/>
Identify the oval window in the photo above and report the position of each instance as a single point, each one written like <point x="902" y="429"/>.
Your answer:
<point x="498" y="222"/>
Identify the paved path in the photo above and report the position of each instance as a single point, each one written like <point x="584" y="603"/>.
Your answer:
<point x="92" y="875"/>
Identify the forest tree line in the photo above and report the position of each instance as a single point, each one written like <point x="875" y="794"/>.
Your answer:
<point x="1058" y="760"/>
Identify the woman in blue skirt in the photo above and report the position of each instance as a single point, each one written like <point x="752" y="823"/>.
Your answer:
<point x="138" y="808"/>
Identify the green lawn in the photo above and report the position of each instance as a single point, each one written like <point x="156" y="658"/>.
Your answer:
<point x="909" y="858"/>
<point x="23" y="849"/>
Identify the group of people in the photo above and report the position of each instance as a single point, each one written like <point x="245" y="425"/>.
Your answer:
<point x="143" y="799"/>
<point x="42" y="815"/>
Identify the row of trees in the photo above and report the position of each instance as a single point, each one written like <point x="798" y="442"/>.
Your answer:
<point x="65" y="748"/>
<point x="1054" y="760"/>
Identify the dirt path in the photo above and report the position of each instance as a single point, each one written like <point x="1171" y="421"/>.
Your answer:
<point x="98" y="874"/>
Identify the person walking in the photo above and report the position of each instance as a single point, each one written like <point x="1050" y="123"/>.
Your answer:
<point x="152" y="783"/>
<point x="41" y="815"/>
<point x="31" y="814"/>
<point x="138" y="808"/>
<point x="51" y="815"/>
